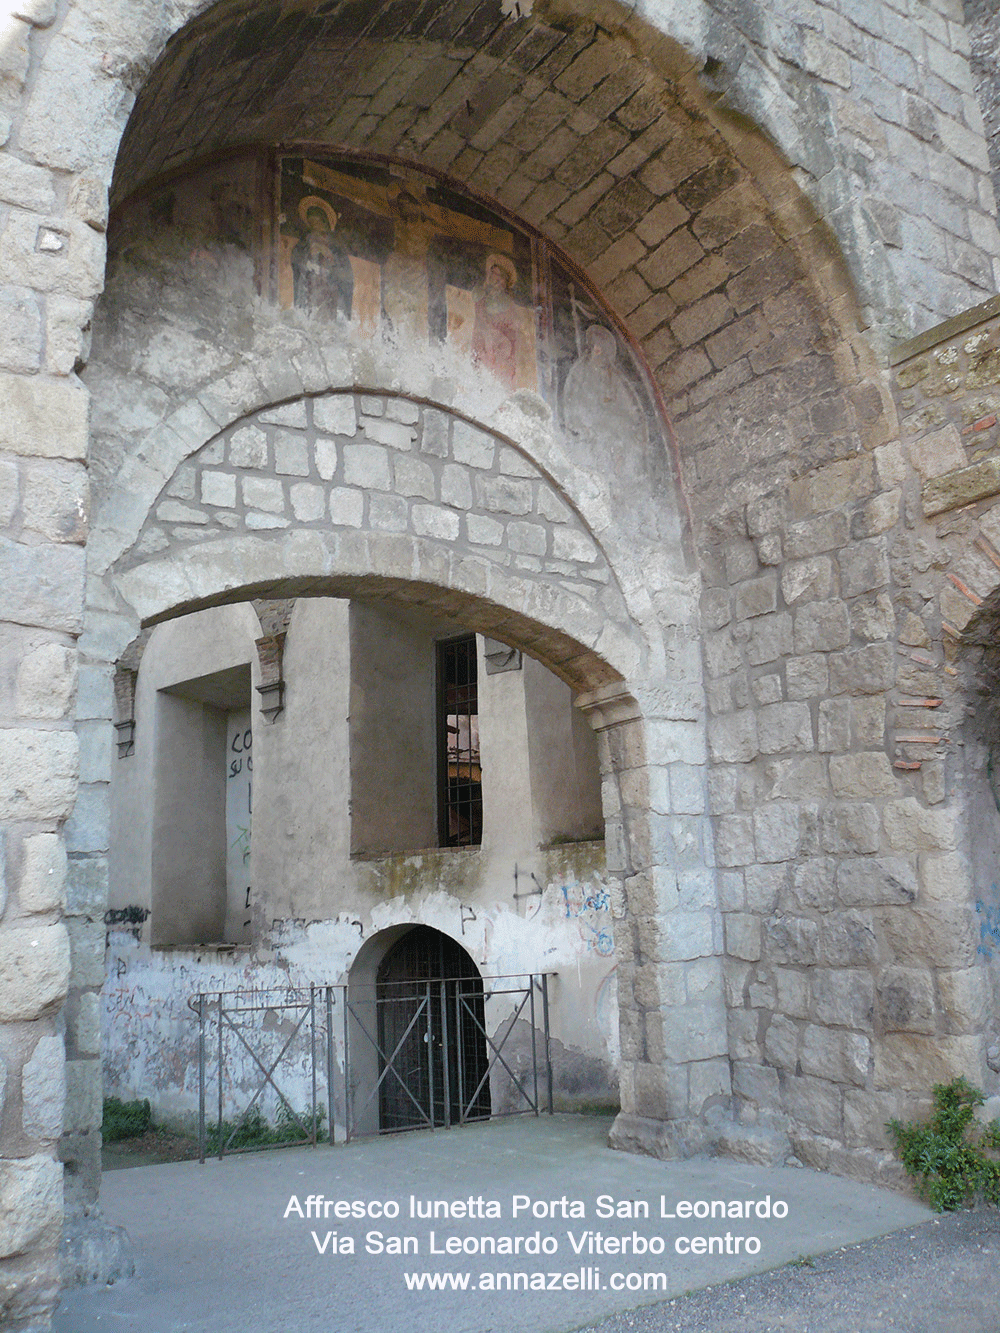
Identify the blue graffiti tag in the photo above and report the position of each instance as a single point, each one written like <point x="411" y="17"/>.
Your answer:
<point x="989" y="930"/>
<point x="597" y="900"/>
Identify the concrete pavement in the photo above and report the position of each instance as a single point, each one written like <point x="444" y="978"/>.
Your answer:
<point x="245" y="1245"/>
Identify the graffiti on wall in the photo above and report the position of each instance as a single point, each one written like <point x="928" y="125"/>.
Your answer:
<point x="239" y="813"/>
<point x="989" y="923"/>
<point x="590" y="907"/>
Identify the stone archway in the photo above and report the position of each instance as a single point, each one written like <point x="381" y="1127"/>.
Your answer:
<point x="182" y="557"/>
<point x="73" y="75"/>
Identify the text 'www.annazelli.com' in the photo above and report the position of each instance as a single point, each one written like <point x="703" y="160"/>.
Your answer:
<point x="580" y="1279"/>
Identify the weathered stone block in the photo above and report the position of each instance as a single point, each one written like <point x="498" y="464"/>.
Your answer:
<point x="822" y="626"/>
<point x="435" y="521"/>
<point x="910" y="827"/>
<point x="868" y="881"/>
<point x="906" y="1000"/>
<point x="469" y="445"/>
<point x="840" y="1056"/>
<point x="938" y="452"/>
<point x="219" y="488"/>
<point x="46" y="681"/>
<point x="965" y="998"/>
<point x="393" y="434"/>
<point x="38" y="773"/>
<point x="862" y="776"/>
<point x="843" y="997"/>
<point x="388" y="512"/>
<point x="347" y="507"/>
<point x="42" y="585"/>
<point x="734" y="844"/>
<point x="87" y="886"/>
<point x="34" y="963"/>
<point x="83" y="1095"/>
<point x="945" y="879"/>
<point x="685" y="935"/>
<point x="932" y="936"/>
<point x="853" y="826"/>
<point x="43" y="873"/>
<point x="504" y="495"/>
<point x="308" y="502"/>
<point x="807" y="580"/>
<point x="776" y="828"/>
<point x="86" y="940"/>
<point x="732" y="739"/>
<point x="786" y="726"/>
<point x="43" y="1089"/>
<point x="31" y="1204"/>
<point x="742" y="936"/>
<point x="764" y="886"/>
<point x="813" y="1102"/>
<point x="791" y="992"/>
<point x="914" y="1062"/>
<point x="791" y="940"/>
<point x="44" y="417"/>
<point x="84" y="1021"/>
<point x="756" y="1084"/>
<point x="756" y="597"/>
<point x="770" y="639"/>
<point x="248" y="447"/>
<point x="806" y="677"/>
<point x="847" y="939"/>
<point x="781" y="1043"/>
<point x="834" y="728"/>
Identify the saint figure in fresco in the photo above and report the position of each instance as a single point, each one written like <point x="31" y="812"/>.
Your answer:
<point x="321" y="271"/>
<point x="597" y="395"/>
<point x="498" y="323"/>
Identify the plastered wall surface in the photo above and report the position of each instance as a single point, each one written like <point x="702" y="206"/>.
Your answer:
<point x="762" y="263"/>
<point x="514" y="907"/>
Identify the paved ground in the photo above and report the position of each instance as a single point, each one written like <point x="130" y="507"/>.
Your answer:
<point x="940" y="1277"/>
<point x="221" y="1248"/>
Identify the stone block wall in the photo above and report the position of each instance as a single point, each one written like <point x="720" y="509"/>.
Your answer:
<point x="52" y="222"/>
<point x="595" y="130"/>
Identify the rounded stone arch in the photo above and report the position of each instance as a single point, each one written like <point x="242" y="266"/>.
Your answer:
<point x="375" y="491"/>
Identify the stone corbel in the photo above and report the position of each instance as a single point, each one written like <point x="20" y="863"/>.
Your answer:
<point x="609" y="705"/>
<point x="125" y="679"/>
<point x="270" y="654"/>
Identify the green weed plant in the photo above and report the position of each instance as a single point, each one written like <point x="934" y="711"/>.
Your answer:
<point x="124" y="1120"/>
<point x="953" y="1159"/>
<point x="255" y="1132"/>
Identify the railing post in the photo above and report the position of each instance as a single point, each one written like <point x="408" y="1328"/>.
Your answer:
<point x="222" y="1146"/>
<point x="446" y="1053"/>
<point x="201" y="1079"/>
<point x="430" y="1052"/>
<point x="534" y="1043"/>
<point x="312" y="1054"/>
<point x="548" y="1036"/>
<point x="347" y="1069"/>
<point x="329" y="1063"/>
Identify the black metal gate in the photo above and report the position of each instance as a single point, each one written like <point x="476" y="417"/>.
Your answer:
<point x="435" y="1053"/>
<point x="413" y="1054"/>
<point x="429" y="1000"/>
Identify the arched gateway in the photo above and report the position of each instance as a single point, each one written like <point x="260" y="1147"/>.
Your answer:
<point x="398" y="300"/>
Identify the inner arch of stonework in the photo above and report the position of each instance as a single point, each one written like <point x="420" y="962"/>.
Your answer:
<point x="595" y="131"/>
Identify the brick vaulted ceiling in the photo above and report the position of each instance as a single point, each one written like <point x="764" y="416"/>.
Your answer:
<point x="599" y="136"/>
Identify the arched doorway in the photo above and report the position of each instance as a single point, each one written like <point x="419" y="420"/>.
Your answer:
<point x="433" y="1063"/>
